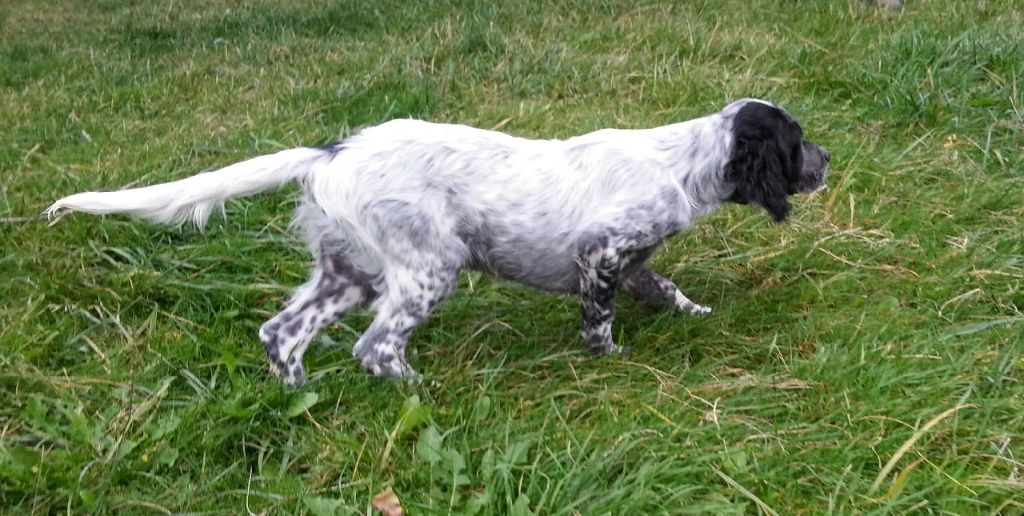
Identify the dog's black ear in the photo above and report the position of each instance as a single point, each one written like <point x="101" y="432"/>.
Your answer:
<point x="766" y="158"/>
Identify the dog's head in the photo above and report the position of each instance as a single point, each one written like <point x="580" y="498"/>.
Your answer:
<point x="770" y="159"/>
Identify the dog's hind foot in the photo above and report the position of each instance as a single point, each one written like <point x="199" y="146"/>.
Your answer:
<point x="293" y="374"/>
<point x="389" y="365"/>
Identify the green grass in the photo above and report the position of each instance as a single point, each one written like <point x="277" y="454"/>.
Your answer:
<point x="865" y="357"/>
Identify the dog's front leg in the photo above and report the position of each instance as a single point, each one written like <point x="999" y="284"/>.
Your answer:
<point x="599" y="263"/>
<point x="658" y="292"/>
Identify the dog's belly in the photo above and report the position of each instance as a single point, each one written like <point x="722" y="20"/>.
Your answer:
<point x="542" y="263"/>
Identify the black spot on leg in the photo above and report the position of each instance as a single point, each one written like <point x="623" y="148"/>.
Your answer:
<point x="271" y="346"/>
<point x="277" y="362"/>
<point x="292" y="329"/>
<point x="412" y="306"/>
<point x="405" y="332"/>
<point x="366" y="344"/>
<point x="269" y="337"/>
<point x="592" y="243"/>
<point x="328" y="284"/>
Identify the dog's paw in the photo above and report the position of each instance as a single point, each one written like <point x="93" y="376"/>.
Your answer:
<point x="295" y="376"/>
<point x="608" y="349"/>
<point x="689" y="307"/>
<point x="290" y="372"/>
<point x="699" y="310"/>
<point x="392" y="368"/>
<point x="275" y="370"/>
<point x="683" y="304"/>
<point x="400" y="370"/>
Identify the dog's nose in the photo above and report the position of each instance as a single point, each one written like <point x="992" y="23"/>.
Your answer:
<point x="828" y="156"/>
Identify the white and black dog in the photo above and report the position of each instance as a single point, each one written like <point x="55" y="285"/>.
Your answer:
<point x="394" y="212"/>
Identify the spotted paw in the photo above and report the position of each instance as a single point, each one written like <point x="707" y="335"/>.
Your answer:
<point x="293" y="379"/>
<point x="293" y="375"/>
<point x="391" y="367"/>
<point x="608" y="349"/>
<point x="274" y="369"/>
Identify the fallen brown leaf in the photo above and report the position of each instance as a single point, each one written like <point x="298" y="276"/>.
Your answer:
<point x="387" y="503"/>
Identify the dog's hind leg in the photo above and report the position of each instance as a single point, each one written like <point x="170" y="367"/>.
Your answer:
<point x="658" y="292"/>
<point x="409" y="297"/>
<point x="334" y="289"/>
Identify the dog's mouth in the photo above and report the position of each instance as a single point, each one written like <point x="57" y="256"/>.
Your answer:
<point x="814" y="182"/>
<point x="816" y="162"/>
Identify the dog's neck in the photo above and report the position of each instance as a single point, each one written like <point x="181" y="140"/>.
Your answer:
<point x="696" y="152"/>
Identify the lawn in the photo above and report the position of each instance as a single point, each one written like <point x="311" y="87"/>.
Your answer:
<point x="865" y="357"/>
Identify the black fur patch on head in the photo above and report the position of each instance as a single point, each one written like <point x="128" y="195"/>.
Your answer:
<point x="767" y="158"/>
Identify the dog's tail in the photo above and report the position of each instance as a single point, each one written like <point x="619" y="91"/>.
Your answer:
<point x="198" y="196"/>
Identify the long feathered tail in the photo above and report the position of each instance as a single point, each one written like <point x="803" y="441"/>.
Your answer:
<point x="198" y="196"/>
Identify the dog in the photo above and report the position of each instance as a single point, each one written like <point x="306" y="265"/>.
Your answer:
<point x="394" y="212"/>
